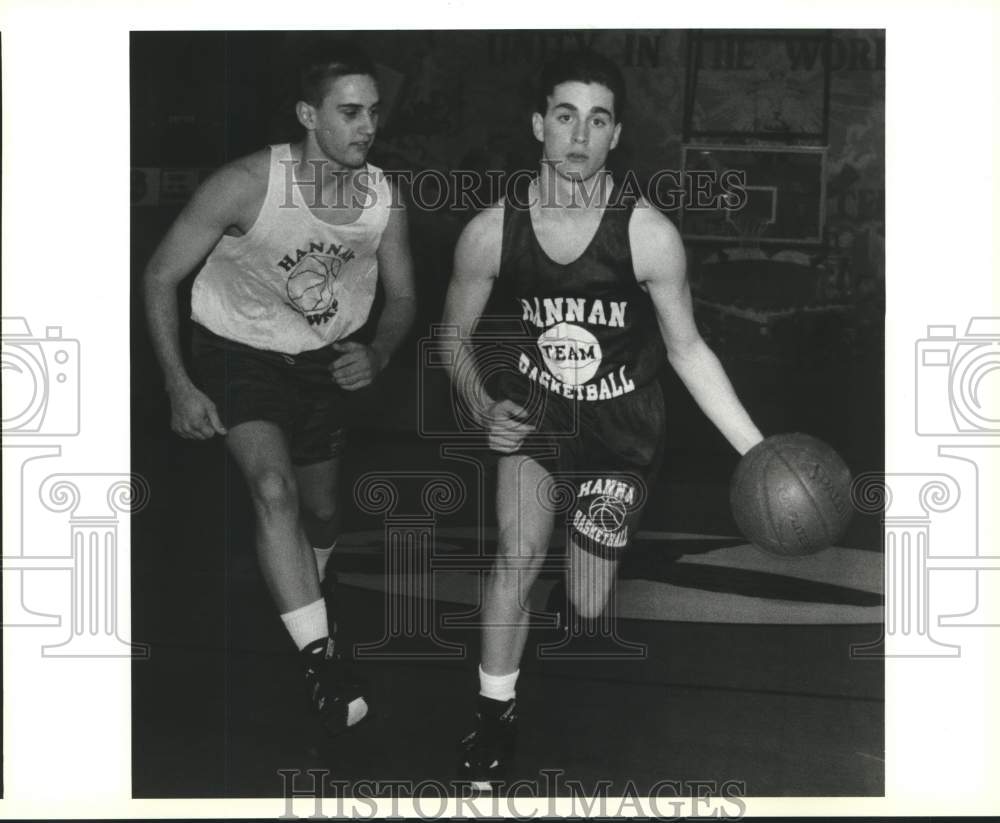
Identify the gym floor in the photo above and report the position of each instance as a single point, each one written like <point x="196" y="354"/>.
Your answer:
<point x="743" y="673"/>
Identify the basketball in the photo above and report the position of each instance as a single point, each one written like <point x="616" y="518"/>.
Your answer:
<point x="790" y="495"/>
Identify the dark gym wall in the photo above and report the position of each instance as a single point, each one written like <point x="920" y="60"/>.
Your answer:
<point x="200" y="98"/>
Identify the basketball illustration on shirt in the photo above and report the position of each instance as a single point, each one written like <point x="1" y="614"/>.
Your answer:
<point x="310" y="285"/>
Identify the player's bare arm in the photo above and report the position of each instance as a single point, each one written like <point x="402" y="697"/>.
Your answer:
<point x="477" y="264"/>
<point x="228" y="201"/>
<point x="359" y="364"/>
<point x="660" y="267"/>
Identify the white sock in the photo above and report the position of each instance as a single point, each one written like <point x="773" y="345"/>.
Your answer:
<point x="306" y="623"/>
<point x="356" y="710"/>
<point x="322" y="557"/>
<point x="498" y="686"/>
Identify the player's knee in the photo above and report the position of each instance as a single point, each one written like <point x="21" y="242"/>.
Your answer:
<point x="321" y="513"/>
<point x="588" y="605"/>
<point x="517" y="546"/>
<point x="517" y="563"/>
<point x="274" y="491"/>
<point x="511" y="565"/>
<point x="322" y="525"/>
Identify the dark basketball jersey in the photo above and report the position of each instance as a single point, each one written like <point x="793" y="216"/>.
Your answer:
<point x="590" y="330"/>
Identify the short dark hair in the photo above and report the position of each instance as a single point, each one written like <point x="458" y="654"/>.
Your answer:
<point x="325" y="62"/>
<point x="583" y="66"/>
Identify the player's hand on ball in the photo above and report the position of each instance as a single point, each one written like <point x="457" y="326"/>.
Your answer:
<point x="507" y="426"/>
<point x="193" y="415"/>
<point x="356" y="367"/>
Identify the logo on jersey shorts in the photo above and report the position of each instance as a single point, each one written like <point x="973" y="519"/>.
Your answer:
<point x="604" y="520"/>
<point x="572" y="354"/>
<point x="312" y="273"/>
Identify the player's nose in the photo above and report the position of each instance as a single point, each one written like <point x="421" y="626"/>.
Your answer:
<point x="368" y="125"/>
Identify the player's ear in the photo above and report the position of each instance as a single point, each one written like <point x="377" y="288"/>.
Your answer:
<point x="538" y="126"/>
<point x="306" y="115"/>
<point x="616" y="135"/>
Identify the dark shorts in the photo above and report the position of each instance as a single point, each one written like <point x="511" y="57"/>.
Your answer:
<point x="603" y="456"/>
<point x="294" y="391"/>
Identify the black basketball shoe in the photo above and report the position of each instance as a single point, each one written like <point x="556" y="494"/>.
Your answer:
<point x="336" y="695"/>
<point x="485" y="754"/>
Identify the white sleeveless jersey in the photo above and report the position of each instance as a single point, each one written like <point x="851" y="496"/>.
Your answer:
<point x="293" y="283"/>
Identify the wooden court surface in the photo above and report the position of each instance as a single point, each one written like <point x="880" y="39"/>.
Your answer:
<point x="744" y="671"/>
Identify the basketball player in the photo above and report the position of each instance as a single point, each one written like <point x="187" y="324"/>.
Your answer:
<point x="599" y="280"/>
<point x="296" y="237"/>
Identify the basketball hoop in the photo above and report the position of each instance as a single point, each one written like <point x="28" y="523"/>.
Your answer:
<point x="748" y="229"/>
<point x="754" y="220"/>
